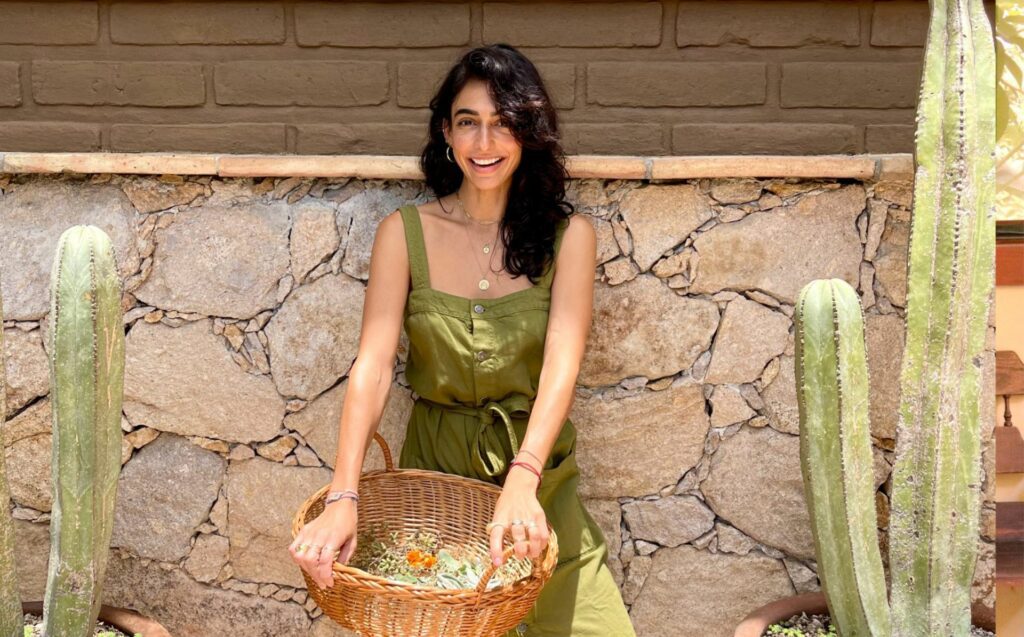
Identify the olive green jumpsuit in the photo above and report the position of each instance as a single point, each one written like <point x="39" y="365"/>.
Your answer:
<point x="474" y="365"/>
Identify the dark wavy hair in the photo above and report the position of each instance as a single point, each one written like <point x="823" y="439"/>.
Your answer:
<point x="536" y="202"/>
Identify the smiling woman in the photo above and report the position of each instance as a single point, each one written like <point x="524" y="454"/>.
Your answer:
<point x="493" y="354"/>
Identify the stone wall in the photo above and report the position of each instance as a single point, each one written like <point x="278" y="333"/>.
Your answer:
<point x="243" y="306"/>
<point x="635" y="78"/>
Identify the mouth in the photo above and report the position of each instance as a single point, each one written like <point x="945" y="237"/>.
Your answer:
<point x="486" y="164"/>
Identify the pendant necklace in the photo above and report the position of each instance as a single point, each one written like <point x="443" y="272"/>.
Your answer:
<point x="484" y="283"/>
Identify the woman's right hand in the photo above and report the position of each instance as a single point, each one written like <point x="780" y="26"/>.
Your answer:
<point x="334" y="532"/>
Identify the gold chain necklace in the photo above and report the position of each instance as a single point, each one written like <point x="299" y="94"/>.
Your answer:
<point x="484" y="283"/>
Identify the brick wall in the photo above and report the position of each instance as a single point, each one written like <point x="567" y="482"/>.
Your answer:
<point x="635" y="78"/>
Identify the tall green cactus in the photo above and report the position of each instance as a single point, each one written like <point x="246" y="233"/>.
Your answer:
<point x="937" y="476"/>
<point x="835" y="455"/>
<point x="86" y="348"/>
<point x="10" y="602"/>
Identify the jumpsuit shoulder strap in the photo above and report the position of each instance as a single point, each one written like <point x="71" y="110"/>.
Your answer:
<point x="415" y="246"/>
<point x="549" y="275"/>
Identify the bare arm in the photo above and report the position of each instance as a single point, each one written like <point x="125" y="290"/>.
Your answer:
<point x="572" y="299"/>
<point x="369" y="380"/>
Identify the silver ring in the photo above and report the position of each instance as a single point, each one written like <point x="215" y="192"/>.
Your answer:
<point x="516" y="522"/>
<point x="531" y="525"/>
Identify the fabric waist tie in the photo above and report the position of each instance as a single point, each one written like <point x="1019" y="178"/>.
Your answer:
<point x="488" y="455"/>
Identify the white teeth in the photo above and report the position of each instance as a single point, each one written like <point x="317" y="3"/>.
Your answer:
<point x="489" y="162"/>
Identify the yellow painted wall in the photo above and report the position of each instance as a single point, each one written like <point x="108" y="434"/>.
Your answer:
<point x="1010" y="487"/>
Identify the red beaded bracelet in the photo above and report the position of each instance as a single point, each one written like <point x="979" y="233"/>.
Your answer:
<point x="530" y="467"/>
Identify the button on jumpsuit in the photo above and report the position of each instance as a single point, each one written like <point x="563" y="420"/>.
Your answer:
<point x="474" y="366"/>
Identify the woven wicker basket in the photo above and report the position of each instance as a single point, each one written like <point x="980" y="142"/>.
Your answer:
<point x="457" y="510"/>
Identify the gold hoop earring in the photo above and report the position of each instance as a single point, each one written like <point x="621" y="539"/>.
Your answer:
<point x="447" y="153"/>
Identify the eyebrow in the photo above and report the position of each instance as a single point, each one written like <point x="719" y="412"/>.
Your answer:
<point x="472" y="112"/>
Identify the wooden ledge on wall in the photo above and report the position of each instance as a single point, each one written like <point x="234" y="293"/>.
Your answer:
<point x="860" y="167"/>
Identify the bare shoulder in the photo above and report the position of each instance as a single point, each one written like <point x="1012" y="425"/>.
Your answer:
<point x="580" y="235"/>
<point x="391" y="232"/>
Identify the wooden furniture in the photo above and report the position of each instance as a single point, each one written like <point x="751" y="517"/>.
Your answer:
<point x="1010" y="253"/>
<point x="1009" y="459"/>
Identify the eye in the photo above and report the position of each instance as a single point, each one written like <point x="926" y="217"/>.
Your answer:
<point x="464" y="121"/>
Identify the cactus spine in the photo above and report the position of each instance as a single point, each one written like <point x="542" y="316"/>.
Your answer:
<point x="937" y="475"/>
<point x="86" y="349"/>
<point x="835" y="455"/>
<point x="10" y="601"/>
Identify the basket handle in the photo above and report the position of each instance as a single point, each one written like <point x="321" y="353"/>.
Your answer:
<point x="491" y="568"/>
<point x="389" y="464"/>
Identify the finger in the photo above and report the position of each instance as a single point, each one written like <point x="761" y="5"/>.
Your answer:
<point x="519" y="539"/>
<point x="497" y="550"/>
<point x="537" y="540"/>
<point x="325" y="565"/>
<point x="347" y="551"/>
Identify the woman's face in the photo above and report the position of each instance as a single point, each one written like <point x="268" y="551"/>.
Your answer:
<point x="477" y="134"/>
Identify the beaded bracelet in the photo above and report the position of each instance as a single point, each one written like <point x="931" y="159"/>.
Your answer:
<point x="530" y="467"/>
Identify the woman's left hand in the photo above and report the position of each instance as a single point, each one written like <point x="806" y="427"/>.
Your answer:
<point x="518" y="501"/>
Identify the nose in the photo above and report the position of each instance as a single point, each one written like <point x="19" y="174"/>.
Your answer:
<point x="485" y="137"/>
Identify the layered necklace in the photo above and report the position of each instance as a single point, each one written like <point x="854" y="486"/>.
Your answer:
<point x="487" y="247"/>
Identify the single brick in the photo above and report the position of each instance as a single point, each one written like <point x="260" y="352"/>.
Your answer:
<point x="418" y="81"/>
<point x="118" y="83"/>
<point x="676" y="83"/>
<point x="10" y="84"/>
<point x="614" y="139"/>
<point x="197" y="23"/>
<point x="369" y="138"/>
<point x="899" y="23"/>
<point x="775" y="24"/>
<point x="366" y="24"/>
<point x="889" y="138"/>
<point x="765" y="139"/>
<point x="49" y="22"/>
<point x="49" y="137"/>
<point x="573" y="24"/>
<point x="850" y="84"/>
<point x="199" y="138"/>
<point x="301" y="83"/>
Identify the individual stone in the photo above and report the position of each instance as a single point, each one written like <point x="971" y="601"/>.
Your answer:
<point x="260" y="534"/>
<point x="616" y="457"/>
<point x="877" y="211"/>
<point x="607" y="248"/>
<point x="778" y="252"/>
<point x="319" y="424"/>
<point x="208" y="557"/>
<point x="804" y="579"/>
<point x="867" y="284"/>
<point x="619" y="271"/>
<point x="678" y="263"/>
<point x="314" y="237"/>
<point x="358" y="218"/>
<point x="736" y="191"/>
<point x="629" y="325"/>
<point x="639" y="569"/>
<point x="693" y="592"/>
<point x="314" y="337"/>
<point x="884" y="336"/>
<point x="219" y="514"/>
<point x="28" y="452"/>
<point x="28" y="370"/>
<point x="34" y="215"/>
<point x="732" y="541"/>
<point x="307" y="457"/>
<point x="154" y="516"/>
<point x="183" y="380"/>
<point x="210" y="444"/>
<point x="234" y="335"/>
<point x="31" y="558"/>
<point x="900" y="193"/>
<point x="780" y="398"/>
<point x="608" y="516"/>
<point x="237" y="271"/>
<point x="645" y="548"/>
<point x="891" y="259"/>
<point x="152" y="195"/>
<point x="750" y="335"/>
<point x="141" y="437"/>
<point x="983" y="589"/>
<point x="659" y="217"/>
<point x="668" y="521"/>
<point x="277" y="449"/>
<point x="190" y="609"/>
<point x="765" y="462"/>
<point x="241" y="452"/>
